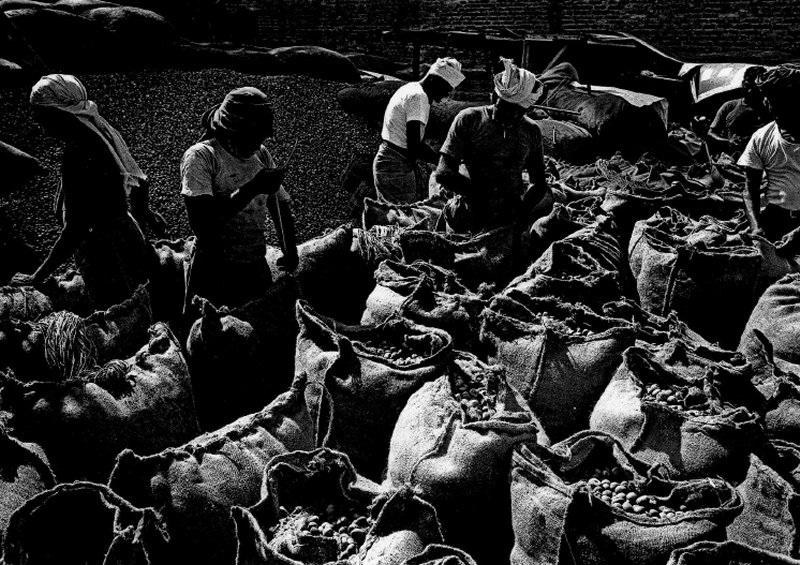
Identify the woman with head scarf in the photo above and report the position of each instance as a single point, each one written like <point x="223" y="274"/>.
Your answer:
<point x="485" y="153"/>
<point x="395" y="172"/>
<point x="101" y="187"/>
<point x="229" y="182"/>
<point x="773" y="153"/>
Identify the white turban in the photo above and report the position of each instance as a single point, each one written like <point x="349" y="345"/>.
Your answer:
<point x="449" y="69"/>
<point x="518" y="86"/>
<point x="66" y="93"/>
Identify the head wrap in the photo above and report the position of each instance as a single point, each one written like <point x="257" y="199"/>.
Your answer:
<point x="243" y="111"/>
<point x="783" y="80"/>
<point x="518" y="86"/>
<point x="449" y="69"/>
<point x="66" y="93"/>
<point x="751" y="74"/>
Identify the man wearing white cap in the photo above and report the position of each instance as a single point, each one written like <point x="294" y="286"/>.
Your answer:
<point x="484" y="155"/>
<point x="395" y="169"/>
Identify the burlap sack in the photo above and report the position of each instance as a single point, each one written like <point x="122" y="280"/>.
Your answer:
<point x="195" y="486"/>
<point x="652" y="328"/>
<point x="241" y="359"/>
<point x="704" y="271"/>
<point x="23" y="303"/>
<point x="635" y="198"/>
<point x="377" y="244"/>
<point x="22" y="349"/>
<point x="781" y="389"/>
<point x="332" y="276"/>
<point x="404" y="524"/>
<point x="68" y="292"/>
<point x="571" y="273"/>
<point x="168" y="282"/>
<point x="428" y="295"/>
<point x="122" y="329"/>
<point x="559" y="518"/>
<point x="86" y="523"/>
<point x="777" y="317"/>
<point x="709" y="431"/>
<point x="437" y="554"/>
<point x="456" y="457"/>
<point x="301" y="488"/>
<point x="787" y="458"/>
<point x="559" y="356"/>
<point x="602" y="240"/>
<point x="143" y="403"/>
<point x="422" y="215"/>
<point x="24" y="472"/>
<point x="673" y="343"/>
<point x="363" y="388"/>
<point x="771" y="509"/>
<point x="725" y="553"/>
<point x="485" y="257"/>
<point x="563" y="220"/>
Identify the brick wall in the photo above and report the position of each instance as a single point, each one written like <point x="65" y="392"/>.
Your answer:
<point x="756" y="30"/>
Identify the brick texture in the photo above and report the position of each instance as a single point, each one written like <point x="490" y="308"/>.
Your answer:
<point x="751" y="30"/>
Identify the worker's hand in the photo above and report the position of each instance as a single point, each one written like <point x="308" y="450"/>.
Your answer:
<point x="288" y="262"/>
<point x="268" y="181"/>
<point x="455" y="182"/>
<point x="737" y="141"/>
<point x="23" y="279"/>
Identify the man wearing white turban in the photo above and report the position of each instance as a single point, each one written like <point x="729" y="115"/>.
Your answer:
<point x="485" y="153"/>
<point x="395" y="171"/>
<point x="101" y="185"/>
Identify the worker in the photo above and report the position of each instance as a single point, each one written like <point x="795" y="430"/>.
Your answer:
<point x="486" y="150"/>
<point x="736" y="120"/>
<point x="102" y="198"/>
<point x="230" y="182"/>
<point x="395" y="171"/>
<point x="773" y="154"/>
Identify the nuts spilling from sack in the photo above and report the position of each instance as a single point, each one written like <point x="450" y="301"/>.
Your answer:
<point x="629" y="497"/>
<point x="347" y="527"/>
<point x="413" y="349"/>
<point x="477" y="397"/>
<point x="569" y="327"/>
<point x="689" y="399"/>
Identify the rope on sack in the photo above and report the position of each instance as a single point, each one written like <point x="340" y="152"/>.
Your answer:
<point x="378" y="243"/>
<point x="68" y="349"/>
<point x="622" y="181"/>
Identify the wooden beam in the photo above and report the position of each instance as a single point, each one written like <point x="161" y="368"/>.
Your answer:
<point x="555" y="59"/>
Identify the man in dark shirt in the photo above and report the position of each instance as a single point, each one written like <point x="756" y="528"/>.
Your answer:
<point x="736" y="120"/>
<point x="485" y="153"/>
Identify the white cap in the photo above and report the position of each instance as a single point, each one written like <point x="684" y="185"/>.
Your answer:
<point x="449" y="69"/>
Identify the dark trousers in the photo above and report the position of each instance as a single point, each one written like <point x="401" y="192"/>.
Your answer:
<point x="777" y="222"/>
<point x="226" y="283"/>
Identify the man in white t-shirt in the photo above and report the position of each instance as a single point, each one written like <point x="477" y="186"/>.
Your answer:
<point x="395" y="166"/>
<point x="773" y="154"/>
<point x="229" y="182"/>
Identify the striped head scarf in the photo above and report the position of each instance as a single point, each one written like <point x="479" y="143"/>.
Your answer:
<point x="518" y="86"/>
<point x="66" y="93"/>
